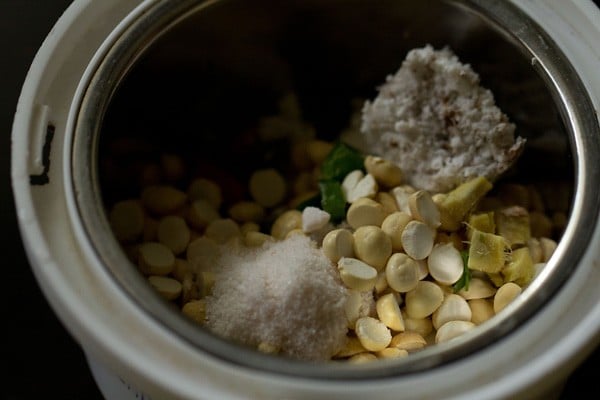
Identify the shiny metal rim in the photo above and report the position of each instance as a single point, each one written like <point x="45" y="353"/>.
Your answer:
<point x="562" y="81"/>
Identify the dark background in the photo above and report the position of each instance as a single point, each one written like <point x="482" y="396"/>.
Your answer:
<point x="39" y="357"/>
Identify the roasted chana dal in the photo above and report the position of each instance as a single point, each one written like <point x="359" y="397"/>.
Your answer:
<point x="340" y="254"/>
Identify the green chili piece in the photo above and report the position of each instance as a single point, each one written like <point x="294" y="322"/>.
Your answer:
<point x="465" y="279"/>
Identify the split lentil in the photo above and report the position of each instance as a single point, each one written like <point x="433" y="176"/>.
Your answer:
<point x="398" y="267"/>
<point x="398" y="251"/>
<point x="395" y="268"/>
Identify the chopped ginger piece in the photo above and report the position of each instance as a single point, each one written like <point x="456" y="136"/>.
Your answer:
<point x="513" y="224"/>
<point x="487" y="252"/>
<point x="496" y="278"/>
<point x="457" y="204"/>
<point x="483" y="222"/>
<point x="520" y="269"/>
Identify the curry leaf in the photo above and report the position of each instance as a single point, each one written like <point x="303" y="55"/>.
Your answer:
<point x="333" y="200"/>
<point x="340" y="161"/>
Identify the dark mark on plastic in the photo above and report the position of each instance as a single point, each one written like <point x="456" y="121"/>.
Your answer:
<point x="43" y="178"/>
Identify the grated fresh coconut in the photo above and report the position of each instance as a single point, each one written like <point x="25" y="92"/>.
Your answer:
<point x="437" y="124"/>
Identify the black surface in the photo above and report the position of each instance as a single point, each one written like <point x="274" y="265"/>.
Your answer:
<point x="39" y="357"/>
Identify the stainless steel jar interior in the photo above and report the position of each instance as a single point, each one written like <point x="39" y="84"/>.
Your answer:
<point x="191" y="76"/>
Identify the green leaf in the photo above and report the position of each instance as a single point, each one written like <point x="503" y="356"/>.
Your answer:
<point x="332" y="199"/>
<point x="465" y="279"/>
<point x="340" y="161"/>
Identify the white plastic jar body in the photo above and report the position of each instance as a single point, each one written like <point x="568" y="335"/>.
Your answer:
<point x="131" y="354"/>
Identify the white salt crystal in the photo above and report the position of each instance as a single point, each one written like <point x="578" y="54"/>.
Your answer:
<point x="286" y="294"/>
<point x="313" y="219"/>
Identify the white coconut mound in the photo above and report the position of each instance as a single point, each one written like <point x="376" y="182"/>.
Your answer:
<point x="434" y="120"/>
<point x="285" y="295"/>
